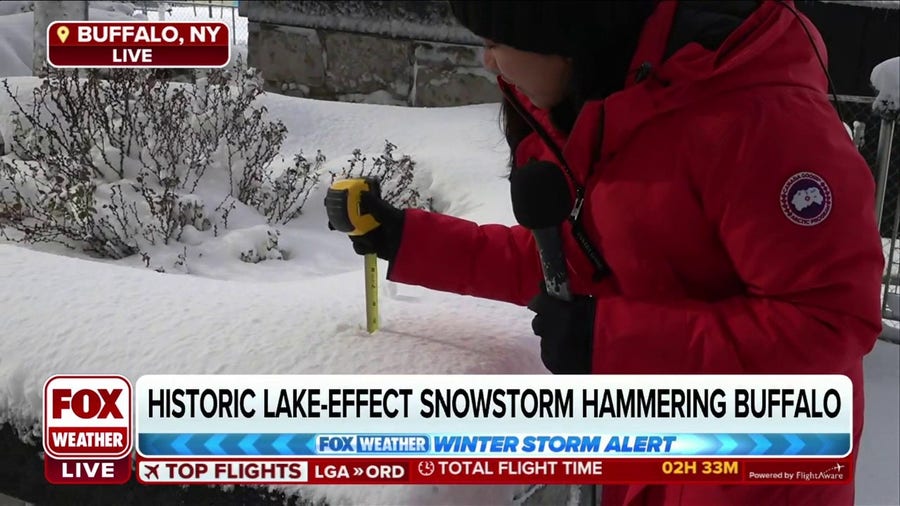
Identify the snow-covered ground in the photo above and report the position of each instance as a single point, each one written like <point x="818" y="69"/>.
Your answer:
<point x="304" y="314"/>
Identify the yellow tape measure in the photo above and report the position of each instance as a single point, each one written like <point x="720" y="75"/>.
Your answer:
<point x="346" y="214"/>
<point x="371" y="263"/>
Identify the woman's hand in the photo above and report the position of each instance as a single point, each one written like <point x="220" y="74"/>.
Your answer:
<point x="566" y="329"/>
<point x="384" y="240"/>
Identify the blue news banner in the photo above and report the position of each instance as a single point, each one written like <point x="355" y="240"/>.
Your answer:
<point x="493" y="429"/>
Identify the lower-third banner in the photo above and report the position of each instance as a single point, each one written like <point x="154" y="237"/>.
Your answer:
<point x="395" y="470"/>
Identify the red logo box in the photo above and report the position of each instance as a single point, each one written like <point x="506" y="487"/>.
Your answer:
<point x="87" y="416"/>
<point x="88" y="425"/>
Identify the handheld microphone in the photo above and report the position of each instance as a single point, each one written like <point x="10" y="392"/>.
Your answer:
<point x="541" y="201"/>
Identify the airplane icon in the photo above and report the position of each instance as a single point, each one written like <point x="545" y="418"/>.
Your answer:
<point x="152" y="470"/>
<point x="837" y="467"/>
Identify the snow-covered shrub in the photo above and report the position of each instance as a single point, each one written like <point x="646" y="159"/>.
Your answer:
<point x="264" y="248"/>
<point x="281" y="196"/>
<point x="397" y="177"/>
<point x="114" y="162"/>
<point x="885" y="78"/>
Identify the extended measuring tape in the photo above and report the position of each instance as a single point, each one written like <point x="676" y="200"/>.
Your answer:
<point x="346" y="214"/>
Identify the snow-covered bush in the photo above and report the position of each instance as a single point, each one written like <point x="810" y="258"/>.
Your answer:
<point x="281" y="196"/>
<point x="397" y="177"/>
<point x="885" y="78"/>
<point x="117" y="161"/>
<point x="265" y="247"/>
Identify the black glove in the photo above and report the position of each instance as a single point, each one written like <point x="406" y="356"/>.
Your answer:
<point x="566" y="329"/>
<point x="384" y="241"/>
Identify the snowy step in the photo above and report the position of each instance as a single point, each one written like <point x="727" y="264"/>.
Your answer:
<point x="890" y="331"/>
<point x="6" y="500"/>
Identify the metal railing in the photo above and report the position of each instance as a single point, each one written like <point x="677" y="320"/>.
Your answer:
<point x="874" y="135"/>
<point x="198" y="10"/>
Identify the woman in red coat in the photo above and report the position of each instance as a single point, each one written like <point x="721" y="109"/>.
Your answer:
<point x="726" y="219"/>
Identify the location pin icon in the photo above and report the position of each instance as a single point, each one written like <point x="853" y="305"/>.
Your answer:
<point x="63" y="33"/>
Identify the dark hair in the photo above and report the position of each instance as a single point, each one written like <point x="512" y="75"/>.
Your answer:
<point x="599" y="69"/>
<point x="514" y="127"/>
<point x="593" y="78"/>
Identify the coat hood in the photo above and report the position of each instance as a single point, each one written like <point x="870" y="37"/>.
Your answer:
<point x="774" y="46"/>
<point x="688" y="52"/>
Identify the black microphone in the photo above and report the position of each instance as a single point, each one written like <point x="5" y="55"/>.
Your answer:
<point x="541" y="201"/>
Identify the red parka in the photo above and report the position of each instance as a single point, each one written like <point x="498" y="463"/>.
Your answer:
<point x="734" y="212"/>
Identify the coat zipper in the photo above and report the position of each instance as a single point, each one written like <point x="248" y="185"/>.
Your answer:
<point x="550" y="143"/>
<point x="601" y="269"/>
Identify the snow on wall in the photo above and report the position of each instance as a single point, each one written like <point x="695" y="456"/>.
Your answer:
<point x="874" y="4"/>
<point x="16" y="6"/>
<point x="361" y="67"/>
<point x="425" y="20"/>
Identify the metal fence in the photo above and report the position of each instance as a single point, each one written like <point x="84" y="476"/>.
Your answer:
<point x="198" y="10"/>
<point x="877" y="140"/>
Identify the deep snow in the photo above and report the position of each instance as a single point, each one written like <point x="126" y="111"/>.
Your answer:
<point x="304" y="314"/>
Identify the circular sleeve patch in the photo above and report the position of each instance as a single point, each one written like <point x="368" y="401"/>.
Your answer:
<point x="806" y="199"/>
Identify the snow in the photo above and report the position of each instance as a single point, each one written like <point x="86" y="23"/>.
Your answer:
<point x="382" y="97"/>
<point x="872" y="4"/>
<point x="427" y="22"/>
<point x="886" y="79"/>
<point x="16" y="46"/>
<point x="877" y="469"/>
<point x="14" y="7"/>
<point x="301" y="314"/>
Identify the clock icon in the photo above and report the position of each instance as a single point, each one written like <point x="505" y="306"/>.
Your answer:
<point x="426" y="468"/>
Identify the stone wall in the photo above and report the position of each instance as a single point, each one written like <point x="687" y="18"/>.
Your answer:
<point x="404" y="53"/>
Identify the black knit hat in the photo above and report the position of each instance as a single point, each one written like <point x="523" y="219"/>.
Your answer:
<point x="551" y="27"/>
